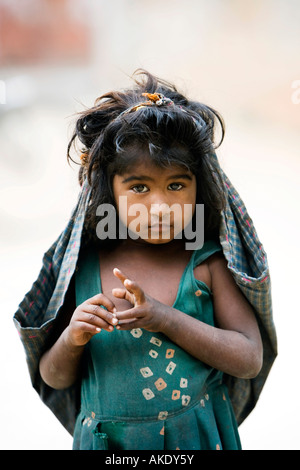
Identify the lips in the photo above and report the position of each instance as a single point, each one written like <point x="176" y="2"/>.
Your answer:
<point x="160" y="227"/>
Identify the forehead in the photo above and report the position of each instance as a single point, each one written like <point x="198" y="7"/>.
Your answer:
<point x="148" y="169"/>
<point x="153" y="158"/>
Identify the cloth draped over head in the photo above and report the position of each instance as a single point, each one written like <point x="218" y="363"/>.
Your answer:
<point x="37" y="314"/>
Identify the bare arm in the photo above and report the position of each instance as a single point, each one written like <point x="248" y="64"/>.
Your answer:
<point x="60" y="365"/>
<point x="233" y="345"/>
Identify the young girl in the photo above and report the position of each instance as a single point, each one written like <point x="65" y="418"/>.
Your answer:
<point x="147" y="328"/>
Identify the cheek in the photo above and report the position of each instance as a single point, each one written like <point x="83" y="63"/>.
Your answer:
<point x="118" y="193"/>
<point x="183" y="216"/>
<point x="189" y="206"/>
<point x="188" y="213"/>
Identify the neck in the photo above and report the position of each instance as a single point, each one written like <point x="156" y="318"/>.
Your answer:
<point x="173" y="245"/>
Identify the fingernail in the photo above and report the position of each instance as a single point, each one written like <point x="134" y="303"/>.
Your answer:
<point x="114" y="309"/>
<point x="98" y="329"/>
<point x="115" y="321"/>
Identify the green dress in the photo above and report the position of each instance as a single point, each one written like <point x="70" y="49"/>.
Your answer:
<point x="140" y="391"/>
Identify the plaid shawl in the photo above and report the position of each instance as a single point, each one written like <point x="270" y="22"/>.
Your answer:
<point x="37" y="313"/>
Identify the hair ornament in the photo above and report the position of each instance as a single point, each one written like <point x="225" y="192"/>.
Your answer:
<point x="84" y="157"/>
<point x="157" y="98"/>
<point x="154" y="99"/>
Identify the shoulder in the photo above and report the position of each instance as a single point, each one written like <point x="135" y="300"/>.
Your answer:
<point x="229" y="301"/>
<point x="221" y="276"/>
<point x="217" y="261"/>
<point x="204" y="271"/>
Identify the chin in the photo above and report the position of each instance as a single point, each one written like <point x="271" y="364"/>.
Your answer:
<point x="158" y="241"/>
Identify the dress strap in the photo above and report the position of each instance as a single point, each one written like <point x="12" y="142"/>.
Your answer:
<point x="87" y="277"/>
<point x="209" y="248"/>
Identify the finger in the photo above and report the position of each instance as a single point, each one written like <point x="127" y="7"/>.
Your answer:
<point x="132" y="286"/>
<point x="85" y="327"/>
<point x="101" y="299"/>
<point x="99" y="313"/>
<point x="96" y="322"/>
<point x="123" y="294"/>
<point x="128" y="325"/>
<point x="136" y="290"/>
<point x="120" y="275"/>
<point x="93" y="329"/>
<point x="129" y="314"/>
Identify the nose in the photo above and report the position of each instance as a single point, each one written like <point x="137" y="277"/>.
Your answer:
<point x="159" y="210"/>
<point x="159" y="197"/>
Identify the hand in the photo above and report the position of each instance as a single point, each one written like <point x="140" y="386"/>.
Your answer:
<point x="146" y="312"/>
<point x="89" y="318"/>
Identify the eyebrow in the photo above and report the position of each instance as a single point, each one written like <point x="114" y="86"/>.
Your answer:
<point x="148" y="178"/>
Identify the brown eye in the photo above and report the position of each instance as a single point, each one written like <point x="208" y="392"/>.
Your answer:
<point x="175" y="186"/>
<point x="140" y="188"/>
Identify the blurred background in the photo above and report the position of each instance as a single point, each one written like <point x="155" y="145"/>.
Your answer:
<point x="56" y="57"/>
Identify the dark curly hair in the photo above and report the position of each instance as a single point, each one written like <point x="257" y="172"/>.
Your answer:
<point x="105" y="134"/>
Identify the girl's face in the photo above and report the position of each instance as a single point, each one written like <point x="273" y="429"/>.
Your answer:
<point x="155" y="203"/>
